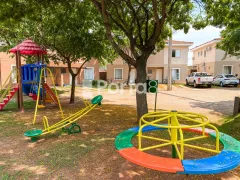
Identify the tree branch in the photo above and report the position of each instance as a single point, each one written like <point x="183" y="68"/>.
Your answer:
<point x="129" y="4"/>
<point x="102" y="8"/>
<point x="159" y="22"/>
<point x="81" y="67"/>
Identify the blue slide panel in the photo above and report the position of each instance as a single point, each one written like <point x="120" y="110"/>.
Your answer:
<point x="225" y="161"/>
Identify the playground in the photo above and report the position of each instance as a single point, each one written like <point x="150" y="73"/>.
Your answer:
<point x="87" y="155"/>
<point x="44" y="137"/>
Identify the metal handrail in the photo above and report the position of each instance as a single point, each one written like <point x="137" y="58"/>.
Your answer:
<point x="7" y="86"/>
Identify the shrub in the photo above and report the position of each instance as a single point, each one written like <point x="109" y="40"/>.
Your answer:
<point x="94" y="82"/>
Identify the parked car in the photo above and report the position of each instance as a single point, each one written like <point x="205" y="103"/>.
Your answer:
<point x="199" y="78"/>
<point x="226" y="79"/>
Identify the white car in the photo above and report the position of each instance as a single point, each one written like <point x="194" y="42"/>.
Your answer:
<point x="226" y="79"/>
<point x="199" y="78"/>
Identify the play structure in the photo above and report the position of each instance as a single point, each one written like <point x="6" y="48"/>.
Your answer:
<point x="176" y="123"/>
<point x="29" y="79"/>
<point x="27" y="48"/>
<point x="69" y="122"/>
<point x="15" y="83"/>
<point x="32" y="86"/>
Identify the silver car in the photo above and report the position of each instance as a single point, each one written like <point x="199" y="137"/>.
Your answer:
<point x="226" y="79"/>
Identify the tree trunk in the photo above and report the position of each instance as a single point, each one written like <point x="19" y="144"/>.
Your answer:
<point x="141" y="98"/>
<point x="129" y="71"/>
<point x="72" y="98"/>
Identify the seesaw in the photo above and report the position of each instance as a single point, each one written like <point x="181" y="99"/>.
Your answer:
<point x="225" y="160"/>
<point x="69" y="121"/>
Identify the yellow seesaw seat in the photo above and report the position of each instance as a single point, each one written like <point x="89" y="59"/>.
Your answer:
<point x="71" y="120"/>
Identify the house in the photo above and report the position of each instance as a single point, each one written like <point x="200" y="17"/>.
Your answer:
<point x="60" y="72"/>
<point x="207" y="58"/>
<point x="157" y="65"/>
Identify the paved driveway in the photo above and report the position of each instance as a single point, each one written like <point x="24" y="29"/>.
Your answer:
<point x="212" y="102"/>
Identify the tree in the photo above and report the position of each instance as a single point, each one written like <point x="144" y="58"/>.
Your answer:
<point x="145" y="25"/>
<point x="71" y="32"/>
<point x="230" y="42"/>
<point x="231" y="23"/>
<point x="129" y="73"/>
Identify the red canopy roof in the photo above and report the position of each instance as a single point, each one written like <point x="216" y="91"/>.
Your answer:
<point x="28" y="47"/>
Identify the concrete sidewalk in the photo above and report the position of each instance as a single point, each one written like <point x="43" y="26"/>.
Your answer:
<point x="214" y="103"/>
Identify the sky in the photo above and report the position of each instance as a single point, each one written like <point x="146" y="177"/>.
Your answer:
<point x="197" y="37"/>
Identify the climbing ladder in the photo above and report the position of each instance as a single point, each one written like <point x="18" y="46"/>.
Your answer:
<point x="9" y="88"/>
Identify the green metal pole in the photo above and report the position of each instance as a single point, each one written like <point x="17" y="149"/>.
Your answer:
<point x="174" y="152"/>
<point x="155" y="109"/>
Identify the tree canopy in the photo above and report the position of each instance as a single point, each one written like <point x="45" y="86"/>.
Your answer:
<point x="137" y="28"/>
<point x="72" y="31"/>
<point x="143" y="27"/>
<point x="226" y="14"/>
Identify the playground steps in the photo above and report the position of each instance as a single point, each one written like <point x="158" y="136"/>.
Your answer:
<point x="9" y="96"/>
<point x="50" y="93"/>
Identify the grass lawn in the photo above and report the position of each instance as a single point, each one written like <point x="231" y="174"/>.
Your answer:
<point x="87" y="155"/>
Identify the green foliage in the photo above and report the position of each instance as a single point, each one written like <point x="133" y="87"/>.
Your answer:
<point x="70" y="30"/>
<point x="226" y="14"/>
<point x="94" y="83"/>
<point x="230" y="42"/>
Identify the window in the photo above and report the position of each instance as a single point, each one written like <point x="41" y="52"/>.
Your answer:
<point x="205" y="53"/>
<point x="150" y="71"/>
<point x="201" y="53"/>
<point x="63" y="70"/>
<point x="230" y="76"/>
<point x="176" y="53"/>
<point x="175" y="73"/>
<point x="201" y="75"/>
<point x="89" y="74"/>
<point x="219" y="76"/>
<point x="227" y="69"/>
<point x="118" y="74"/>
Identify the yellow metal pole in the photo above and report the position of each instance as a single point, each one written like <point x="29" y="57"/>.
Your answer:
<point x="174" y="132"/>
<point x="38" y="95"/>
